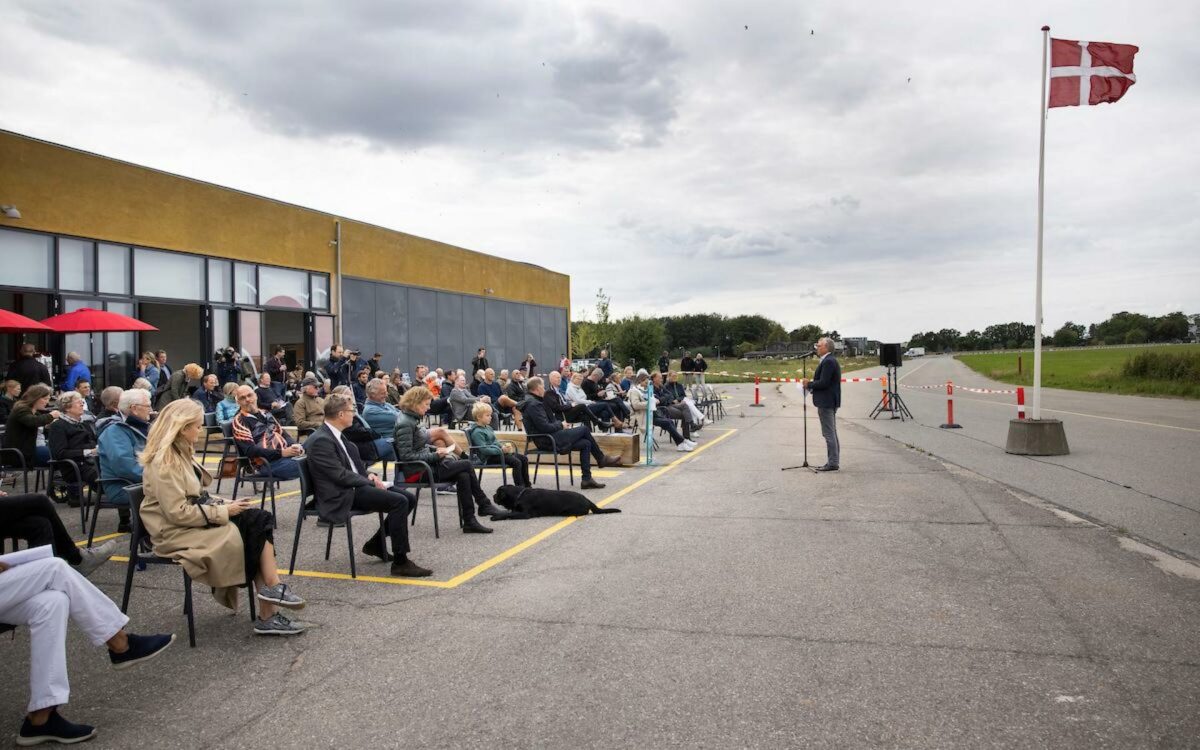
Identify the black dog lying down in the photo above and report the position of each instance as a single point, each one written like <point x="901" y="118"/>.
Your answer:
<point x="528" y="502"/>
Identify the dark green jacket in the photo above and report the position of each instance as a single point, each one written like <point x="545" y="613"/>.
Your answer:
<point x="411" y="443"/>
<point x="485" y="439"/>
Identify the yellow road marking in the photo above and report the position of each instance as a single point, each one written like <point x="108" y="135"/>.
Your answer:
<point x="493" y="562"/>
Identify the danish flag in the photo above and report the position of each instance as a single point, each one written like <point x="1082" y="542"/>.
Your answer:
<point x="1089" y="72"/>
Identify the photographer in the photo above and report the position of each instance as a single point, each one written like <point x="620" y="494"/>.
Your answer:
<point x="277" y="369"/>
<point x="337" y="370"/>
<point x="228" y="367"/>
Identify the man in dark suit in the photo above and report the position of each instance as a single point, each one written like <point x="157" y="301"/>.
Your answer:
<point x="341" y="484"/>
<point x="826" y="388"/>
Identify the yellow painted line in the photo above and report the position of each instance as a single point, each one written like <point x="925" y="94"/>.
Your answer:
<point x="462" y="578"/>
<point x="373" y="579"/>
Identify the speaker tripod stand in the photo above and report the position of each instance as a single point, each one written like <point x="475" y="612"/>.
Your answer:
<point x="890" y="401"/>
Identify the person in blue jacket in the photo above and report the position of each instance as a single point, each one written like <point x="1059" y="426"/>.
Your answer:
<point x="119" y="446"/>
<point x="79" y="371"/>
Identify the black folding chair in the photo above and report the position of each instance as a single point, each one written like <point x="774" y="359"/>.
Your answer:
<point x="210" y="428"/>
<point x="247" y="473"/>
<point x="13" y="460"/>
<point x="106" y="486"/>
<point x="556" y="452"/>
<point x="63" y="468"/>
<point x="482" y="461"/>
<point x="138" y="557"/>
<point x="426" y="481"/>
<point x="307" y="491"/>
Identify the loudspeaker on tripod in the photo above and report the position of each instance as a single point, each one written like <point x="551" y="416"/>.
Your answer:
<point x="890" y="356"/>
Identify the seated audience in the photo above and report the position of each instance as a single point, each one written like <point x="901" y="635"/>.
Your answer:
<point x="493" y="452"/>
<point x="228" y="407"/>
<point x="539" y="423"/>
<point x="143" y="384"/>
<point x="341" y="484"/>
<point x="309" y="410"/>
<point x="268" y="400"/>
<point x="396" y="387"/>
<point x="476" y="382"/>
<point x="148" y="369"/>
<point x="560" y="409"/>
<point x="207" y="394"/>
<point x="514" y="394"/>
<point x="601" y="410"/>
<point x="502" y="379"/>
<point x="411" y="443"/>
<point x="461" y="401"/>
<point x="23" y="423"/>
<point x="222" y="545"/>
<point x="33" y="519"/>
<point x="381" y="417"/>
<point x="91" y="407"/>
<point x="70" y="437"/>
<point x="671" y="408"/>
<point x="119" y="446"/>
<point x="638" y="400"/>
<point x="261" y="438"/>
<point x="528" y="365"/>
<point x="627" y="378"/>
<point x="594" y="388"/>
<point x="8" y="397"/>
<point x="43" y="594"/>
<point x="679" y="394"/>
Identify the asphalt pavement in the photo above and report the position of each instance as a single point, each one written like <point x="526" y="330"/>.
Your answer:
<point x="901" y="602"/>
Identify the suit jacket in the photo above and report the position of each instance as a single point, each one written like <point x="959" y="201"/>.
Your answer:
<point x="334" y="478"/>
<point x="826" y="384"/>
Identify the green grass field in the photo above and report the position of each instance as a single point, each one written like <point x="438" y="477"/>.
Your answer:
<point x="1083" y="370"/>
<point x="742" y="372"/>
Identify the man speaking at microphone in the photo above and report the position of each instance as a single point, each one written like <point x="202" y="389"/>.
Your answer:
<point x="826" y="389"/>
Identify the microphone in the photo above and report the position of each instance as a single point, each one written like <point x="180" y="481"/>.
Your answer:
<point x="809" y="353"/>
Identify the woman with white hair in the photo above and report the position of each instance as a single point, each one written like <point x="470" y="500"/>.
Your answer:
<point x="218" y="543"/>
<point x="70" y="437"/>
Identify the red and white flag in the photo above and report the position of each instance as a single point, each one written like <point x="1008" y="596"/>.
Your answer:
<point x="1089" y="72"/>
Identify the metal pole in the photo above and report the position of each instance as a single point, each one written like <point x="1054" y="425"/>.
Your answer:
<point x="1037" y="317"/>
<point x="337" y="247"/>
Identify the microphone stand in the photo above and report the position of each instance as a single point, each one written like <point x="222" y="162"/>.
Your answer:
<point x="804" y="399"/>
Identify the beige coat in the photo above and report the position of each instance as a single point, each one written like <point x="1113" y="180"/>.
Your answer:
<point x="212" y="555"/>
<point x="309" y="412"/>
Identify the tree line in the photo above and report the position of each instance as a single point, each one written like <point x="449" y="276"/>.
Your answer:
<point x="643" y="339"/>
<point x="1120" y="328"/>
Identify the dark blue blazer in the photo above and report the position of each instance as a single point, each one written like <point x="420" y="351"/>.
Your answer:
<point x="826" y="384"/>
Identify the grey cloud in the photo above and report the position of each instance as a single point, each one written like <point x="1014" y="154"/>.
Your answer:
<point x="406" y="74"/>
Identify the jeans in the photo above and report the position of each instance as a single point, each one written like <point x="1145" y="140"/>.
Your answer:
<point x="833" y="447"/>
<point x="284" y="468"/>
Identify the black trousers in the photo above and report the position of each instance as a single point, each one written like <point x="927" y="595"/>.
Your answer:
<point x="580" y="439"/>
<point x="680" y="412"/>
<point x="467" y="484"/>
<point x="519" y="465"/>
<point x="33" y="519"/>
<point x="397" y="504"/>
<point x="441" y="407"/>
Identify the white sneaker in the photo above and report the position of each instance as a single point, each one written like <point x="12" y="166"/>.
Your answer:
<point x="691" y="444"/>
<point x="685" y="447"/>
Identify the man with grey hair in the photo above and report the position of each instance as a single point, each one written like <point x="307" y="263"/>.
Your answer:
<point x="826" y="389"/>
<point x="109" y="412"/>
<point x="119" y="446"/>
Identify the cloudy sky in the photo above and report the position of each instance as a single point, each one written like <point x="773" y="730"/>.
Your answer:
<point x="869" y="167"/>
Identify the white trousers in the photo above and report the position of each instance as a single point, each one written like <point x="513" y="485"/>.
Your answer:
<point x="42" y="594"/>
<point x="691" y="405"/>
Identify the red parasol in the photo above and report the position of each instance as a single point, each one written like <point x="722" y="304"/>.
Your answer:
<point x="11" y="322"/>
<point x="87" y="320"/>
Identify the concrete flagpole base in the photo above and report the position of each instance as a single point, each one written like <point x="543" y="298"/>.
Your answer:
<point x="1037" y="437"/>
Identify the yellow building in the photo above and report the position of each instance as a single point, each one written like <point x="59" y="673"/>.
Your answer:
<point x="211" y="266"/>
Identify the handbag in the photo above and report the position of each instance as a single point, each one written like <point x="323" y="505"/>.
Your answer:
<point x="229" y="467"/>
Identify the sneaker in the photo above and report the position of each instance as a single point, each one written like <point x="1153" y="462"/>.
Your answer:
<point x="277" y="625"/>
<point x="56" y="729"/>
<point x="685" y="447"/>
<point x="691" y="443"/>
<point x="280" y="595"/>
<point x="94" y="557"/>
<point x="141" y="648"/>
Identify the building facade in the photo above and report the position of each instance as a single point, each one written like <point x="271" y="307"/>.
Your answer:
<point x="211" y="267"/>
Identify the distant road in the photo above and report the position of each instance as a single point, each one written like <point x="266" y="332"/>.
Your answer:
<point x="1134" y="463"/>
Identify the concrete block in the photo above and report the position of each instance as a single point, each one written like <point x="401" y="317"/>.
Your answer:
<point x="1037" y="437"/>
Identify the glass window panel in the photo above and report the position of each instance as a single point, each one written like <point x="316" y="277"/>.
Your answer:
<point x="282" y="287"/>
<point x="322" y="339"/>
<point x="114" y="269"/>
<point x="169" y="275"/>
<point x="320" y="291"/>
<point x="36" y="252"/>
<point x="220" y="281"/>
<point x="245" y="286"/>
<point x="76" y="265"/>
<point x="221" y="330"/>
<point x="119" y="364"/>
<point x="250" y="336"/>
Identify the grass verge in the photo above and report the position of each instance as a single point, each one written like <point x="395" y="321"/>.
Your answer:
<point x="744" y="371"/>
<point x="1098" y="370"/>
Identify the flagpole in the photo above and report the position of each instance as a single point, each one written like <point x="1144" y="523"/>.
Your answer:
<point x="1037" y="320"/>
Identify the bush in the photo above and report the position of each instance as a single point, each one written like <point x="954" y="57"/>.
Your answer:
<point x="1180" y="367"/>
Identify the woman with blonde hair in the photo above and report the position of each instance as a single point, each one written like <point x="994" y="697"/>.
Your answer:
<point x="219" y="543"/>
